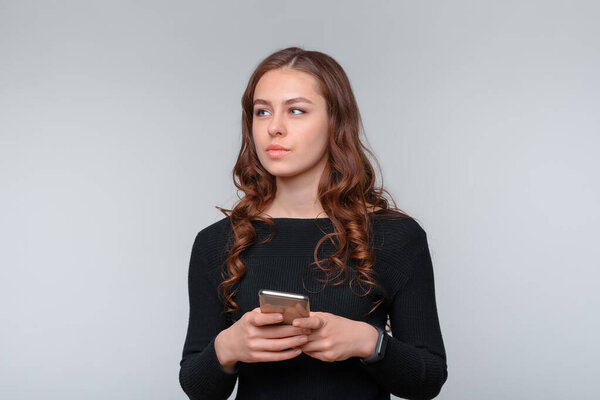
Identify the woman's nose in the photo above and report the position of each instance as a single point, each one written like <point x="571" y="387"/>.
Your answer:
<point x="276" y="125"/>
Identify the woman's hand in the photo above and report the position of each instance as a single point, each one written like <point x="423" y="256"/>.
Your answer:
<point x="336" y="338"/>
<point x="253" y="338"/>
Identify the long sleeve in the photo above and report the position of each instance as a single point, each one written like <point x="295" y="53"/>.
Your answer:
<point x="414" y="365"/>
<point x="201" y="375"/>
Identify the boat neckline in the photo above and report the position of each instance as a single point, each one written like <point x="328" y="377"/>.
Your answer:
<point x="313" y="219"/>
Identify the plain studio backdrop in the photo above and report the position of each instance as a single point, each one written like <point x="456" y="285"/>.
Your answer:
<point x="120" y="125"/>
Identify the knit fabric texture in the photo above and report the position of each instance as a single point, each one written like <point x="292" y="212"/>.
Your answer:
<point x="414" y="365"/>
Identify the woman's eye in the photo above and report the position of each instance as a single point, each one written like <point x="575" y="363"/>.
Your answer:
<point x="259" y="113"/>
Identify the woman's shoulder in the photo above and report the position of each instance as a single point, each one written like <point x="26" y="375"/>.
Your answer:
<point x="394" y="230"/>
<point x="212" y="240"/>
<point x="216" y="229"/>
<point x="397" y="240"/>
<point x="395" y="218"/>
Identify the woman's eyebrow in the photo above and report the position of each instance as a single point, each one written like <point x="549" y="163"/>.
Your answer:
<point x="288" y="101"/>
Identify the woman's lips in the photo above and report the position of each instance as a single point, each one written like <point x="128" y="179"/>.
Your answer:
<point x="278" y="153"/>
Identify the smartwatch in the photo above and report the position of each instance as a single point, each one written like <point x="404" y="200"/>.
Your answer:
<point x="382" y="340"/>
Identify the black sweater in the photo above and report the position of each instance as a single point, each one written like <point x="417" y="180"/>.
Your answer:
<point x="414" y="366"/>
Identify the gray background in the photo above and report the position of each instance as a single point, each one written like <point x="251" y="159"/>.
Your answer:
<point x="120" y="124"/>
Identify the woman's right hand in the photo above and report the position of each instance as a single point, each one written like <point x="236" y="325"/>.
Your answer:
<point x="253" y="338"/>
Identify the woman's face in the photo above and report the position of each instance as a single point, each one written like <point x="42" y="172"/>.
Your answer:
<point x="290" y="112"/>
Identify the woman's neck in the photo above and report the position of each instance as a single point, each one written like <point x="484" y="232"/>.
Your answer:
<point x="275" y="212"/>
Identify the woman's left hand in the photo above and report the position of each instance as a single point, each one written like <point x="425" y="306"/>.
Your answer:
<point x="335" y="338"/>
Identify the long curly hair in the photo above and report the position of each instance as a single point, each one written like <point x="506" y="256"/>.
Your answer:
<point x="346" y="188"/>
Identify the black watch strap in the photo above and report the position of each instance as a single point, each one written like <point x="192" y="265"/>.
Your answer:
<point x="382" y="340"/>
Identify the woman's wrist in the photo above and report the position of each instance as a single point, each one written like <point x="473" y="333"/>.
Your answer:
<point x="222" y="349"/>
<point x="369" y="342"/>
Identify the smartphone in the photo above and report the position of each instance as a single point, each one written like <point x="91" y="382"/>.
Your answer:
<point x="291" y="305"/>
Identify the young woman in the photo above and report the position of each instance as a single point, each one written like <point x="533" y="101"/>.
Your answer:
<point x="311" y="222"/>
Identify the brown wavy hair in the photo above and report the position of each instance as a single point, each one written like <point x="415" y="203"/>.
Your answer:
<point x="346" y="188"/>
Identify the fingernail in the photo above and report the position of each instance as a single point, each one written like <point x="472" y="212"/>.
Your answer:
<point x="305" y="330"/>
<point x="298" y="351"/>
<point x="279" y="317"/>
<point x="303" y="339"/>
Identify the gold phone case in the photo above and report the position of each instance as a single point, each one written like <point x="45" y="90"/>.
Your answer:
<point x="291" y="305"/>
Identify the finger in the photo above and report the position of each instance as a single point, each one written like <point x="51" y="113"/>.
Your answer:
<point x="310" y="323"/>
<point x="312" y="346"/>
<point x="277" y="355"/>
<point x="282" y="331"/>
<point x="281" y="344"/>
<point x="272" y="309"/>
<point x="261" y="319"/>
